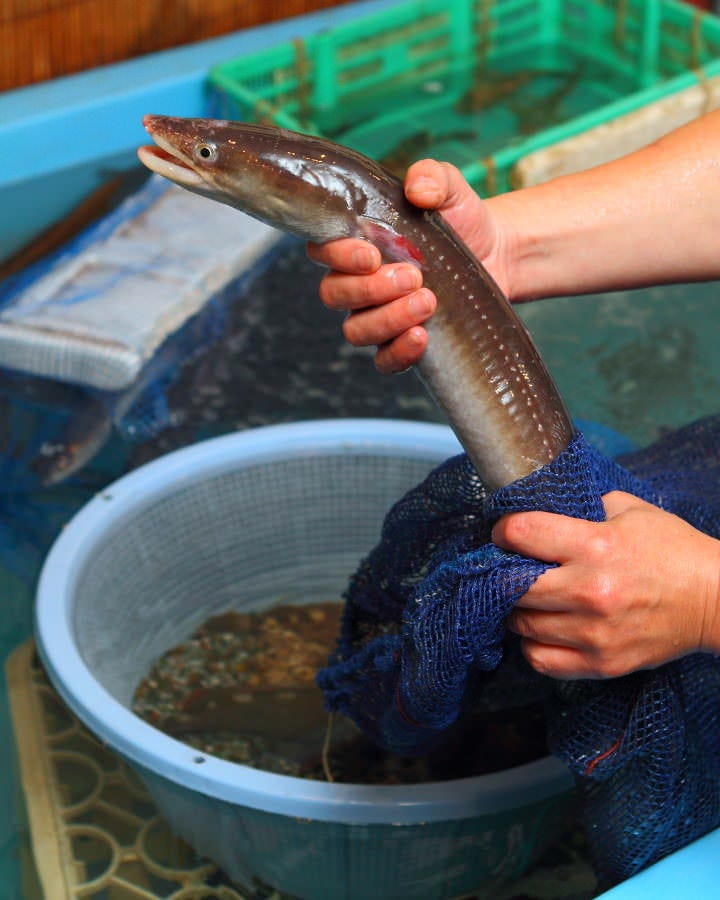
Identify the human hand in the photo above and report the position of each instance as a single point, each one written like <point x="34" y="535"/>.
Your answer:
<point x="388" y="303"/>
<point x="629" y="593"/>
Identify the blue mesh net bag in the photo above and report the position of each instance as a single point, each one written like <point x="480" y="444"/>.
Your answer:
<point x="423" y="639"/>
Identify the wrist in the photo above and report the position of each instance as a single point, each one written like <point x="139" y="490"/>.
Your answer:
<point x="555" y="240"/>
<point x="536" y="243"/>
<point x="513" y="246"/>
<point x="710" y="621"/>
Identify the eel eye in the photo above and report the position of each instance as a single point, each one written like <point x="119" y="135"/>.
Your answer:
<point x="205" y="151"/>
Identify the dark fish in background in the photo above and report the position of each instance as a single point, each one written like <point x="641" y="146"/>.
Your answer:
<point x="415" y="146"/>
<point x="87" y="430"/>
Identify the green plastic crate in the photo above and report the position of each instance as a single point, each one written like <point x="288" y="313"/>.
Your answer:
<point x="481" y="83"/>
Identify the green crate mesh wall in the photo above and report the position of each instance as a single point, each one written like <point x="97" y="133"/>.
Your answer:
<point x="347" y="76"/>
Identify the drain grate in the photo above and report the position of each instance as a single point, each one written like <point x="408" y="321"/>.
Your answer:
<point x="96" y="833"/>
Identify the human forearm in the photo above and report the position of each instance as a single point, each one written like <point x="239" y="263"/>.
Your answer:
<point x="650" y="217"/>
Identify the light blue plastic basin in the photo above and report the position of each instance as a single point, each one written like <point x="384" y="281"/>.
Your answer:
<point x="277" y="514"/>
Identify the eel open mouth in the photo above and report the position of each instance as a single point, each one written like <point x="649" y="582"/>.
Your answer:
<point x="163" y="159"/>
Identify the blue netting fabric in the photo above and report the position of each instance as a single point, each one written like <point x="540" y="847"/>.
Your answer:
<point x="423" y="639"/>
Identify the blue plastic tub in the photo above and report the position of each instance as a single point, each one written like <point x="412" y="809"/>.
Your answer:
<point x="278" y="514"/>
<point x="690" y="874"/>
<point x="635" y="360"/>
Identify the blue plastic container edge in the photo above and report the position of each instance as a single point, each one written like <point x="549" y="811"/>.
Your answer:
<point x="151" y="749"/>
<point x="692" y="873"/>
<point x="97" y="113"/>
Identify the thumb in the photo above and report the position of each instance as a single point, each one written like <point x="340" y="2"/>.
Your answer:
<point x="441" y="186"/>
<point x="617" y="502"/>
<point x="430" y="184"/>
